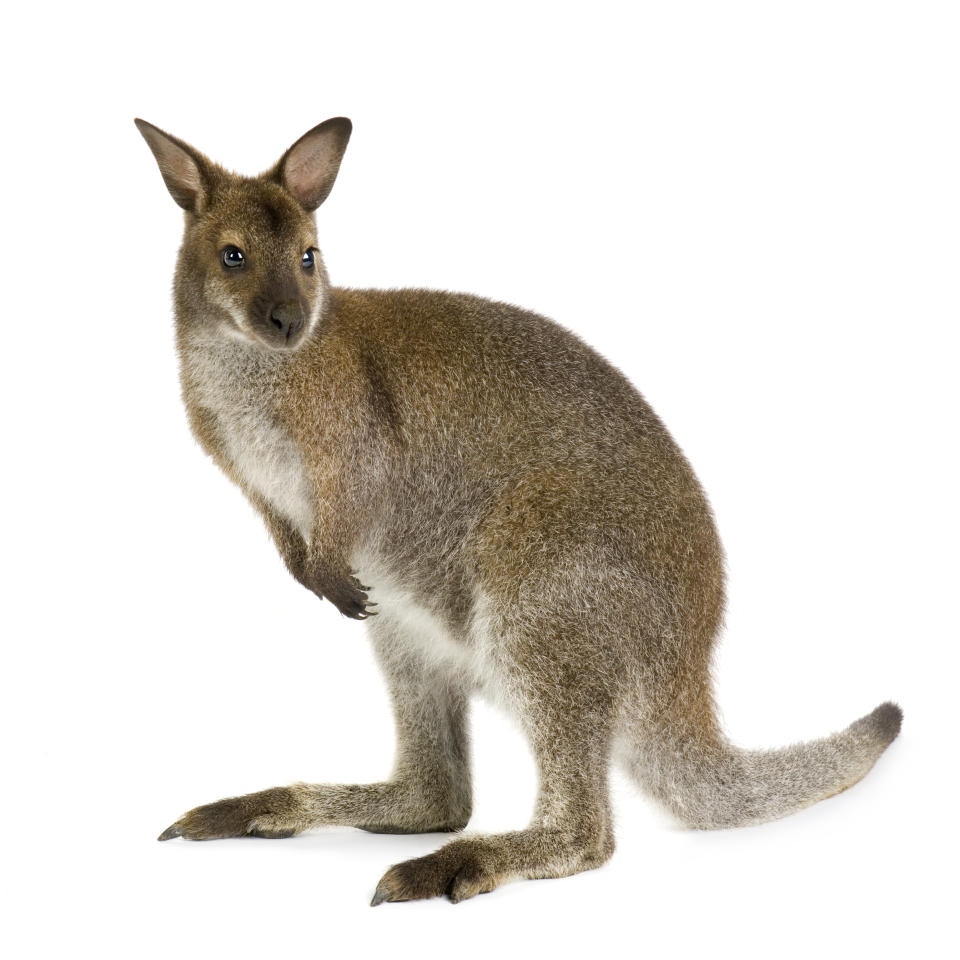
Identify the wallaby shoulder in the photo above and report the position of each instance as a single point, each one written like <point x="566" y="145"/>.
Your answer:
<point x="456" y="355"/>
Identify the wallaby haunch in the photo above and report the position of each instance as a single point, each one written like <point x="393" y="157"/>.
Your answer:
<point x="527" y="527"/>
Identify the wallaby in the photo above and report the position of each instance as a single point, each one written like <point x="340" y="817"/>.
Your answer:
<point x="527" y="527"/>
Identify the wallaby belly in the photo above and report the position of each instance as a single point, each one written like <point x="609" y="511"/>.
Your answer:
<point x="466" y="654"/>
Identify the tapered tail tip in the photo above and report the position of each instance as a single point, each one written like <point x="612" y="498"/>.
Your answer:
<point x="888" y="718"/>
<point x="881" y="726"/>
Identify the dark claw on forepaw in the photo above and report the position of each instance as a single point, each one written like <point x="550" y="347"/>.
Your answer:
<point x="172" y="831"/>
<point x="350" y="598"/>
<point x="355" y="611"/>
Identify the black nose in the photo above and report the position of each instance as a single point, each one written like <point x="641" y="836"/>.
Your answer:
<point x="287" y="317"/>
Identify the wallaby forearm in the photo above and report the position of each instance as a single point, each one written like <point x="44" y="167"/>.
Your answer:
<point x="290" y="544"/>
<point x="320" y="565"/>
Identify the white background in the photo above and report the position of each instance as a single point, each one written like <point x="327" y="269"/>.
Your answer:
<point x="751" y="208"/>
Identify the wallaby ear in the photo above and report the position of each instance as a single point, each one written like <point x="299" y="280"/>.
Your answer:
<point x="186" y="171"/>
<point x="309" y="167"/>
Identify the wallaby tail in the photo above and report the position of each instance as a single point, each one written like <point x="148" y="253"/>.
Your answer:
<point x="708" y="783"/>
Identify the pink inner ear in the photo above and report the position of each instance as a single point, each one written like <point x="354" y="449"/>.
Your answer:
<point x="182" y="168"/>
<point x="310" y="166"/>
<point x="307" y="172"/>
<point x="305" y="168"/>
<point x="180" y="173"/>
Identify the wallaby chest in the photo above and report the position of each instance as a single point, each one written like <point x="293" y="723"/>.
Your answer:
<point x="236" y="391"/>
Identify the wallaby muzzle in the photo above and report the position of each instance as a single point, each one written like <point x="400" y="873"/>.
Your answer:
<point x="280" y="324"/>
<point x="287" y="319"/>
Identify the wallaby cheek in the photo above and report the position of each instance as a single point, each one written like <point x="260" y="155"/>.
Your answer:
<point x="224" y="301"/>
<point x="316" y="288"/>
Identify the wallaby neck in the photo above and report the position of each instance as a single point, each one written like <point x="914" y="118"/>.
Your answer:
<point x="220" y="372"/>
<point x="233" y="391"/>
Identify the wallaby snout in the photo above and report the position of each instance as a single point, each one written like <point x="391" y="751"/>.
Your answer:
<point x="287" y="319"/>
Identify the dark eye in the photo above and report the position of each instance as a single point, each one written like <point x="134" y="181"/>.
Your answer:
<point x="232" y="257"/>
<point x="306" y="261"/>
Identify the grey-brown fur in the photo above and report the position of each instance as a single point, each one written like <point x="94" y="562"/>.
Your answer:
<point x="507" y="504"/>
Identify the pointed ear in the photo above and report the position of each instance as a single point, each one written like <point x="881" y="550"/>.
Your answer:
<point x="309" y="167"/>
<point x="186" y="171"/>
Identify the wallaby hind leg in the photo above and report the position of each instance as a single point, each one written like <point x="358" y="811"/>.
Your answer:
<point x="571" y="831"/>
<point x="431" y="785"/>
<point x="571" y="828"/>
<point x="428" y="792"/>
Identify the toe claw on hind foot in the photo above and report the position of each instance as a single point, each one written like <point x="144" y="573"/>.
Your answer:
<point x="380" y="896"/>
<point x="172" y="831"/>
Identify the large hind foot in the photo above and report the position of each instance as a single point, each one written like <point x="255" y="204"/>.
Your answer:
<point x="472" y="865"/>
<point x="273" y="814"/>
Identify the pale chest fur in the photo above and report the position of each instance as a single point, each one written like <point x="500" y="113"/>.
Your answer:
<point x="237" y="388"/>
<point x="470" y="655"/>
<point x="267" y="460"/>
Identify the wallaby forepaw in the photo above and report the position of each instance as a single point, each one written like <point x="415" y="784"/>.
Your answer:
<point x="349" y="596"/>
<point x="457" y="871"/>
<point x="344" y="591"/>
<point x="271" y="814"/>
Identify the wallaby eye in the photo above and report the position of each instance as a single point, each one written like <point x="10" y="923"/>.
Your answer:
<point x="306" y="261"/>
<point x="232" y="257"/>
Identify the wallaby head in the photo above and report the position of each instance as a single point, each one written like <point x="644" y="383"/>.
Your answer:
<point x="249" y="267"/>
